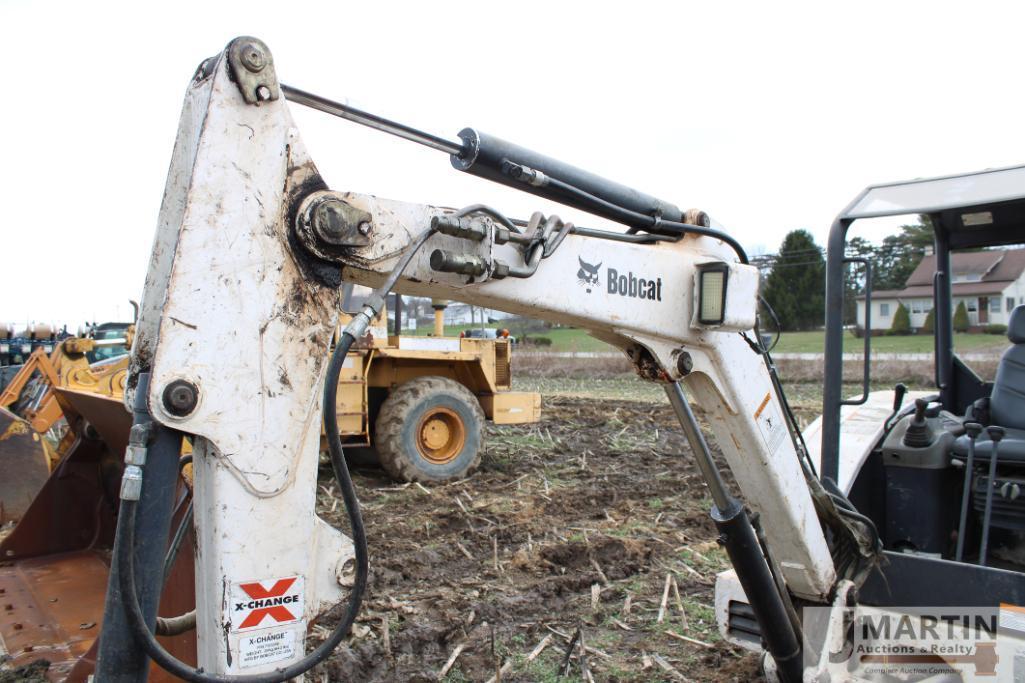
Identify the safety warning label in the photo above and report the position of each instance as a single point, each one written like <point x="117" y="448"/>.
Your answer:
<point x="770" y="424"/>
<point x="259" y="604"/>
<point x="267" y="647"/>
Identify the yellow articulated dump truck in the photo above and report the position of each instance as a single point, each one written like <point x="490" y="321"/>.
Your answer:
<point x="417" y="405"/>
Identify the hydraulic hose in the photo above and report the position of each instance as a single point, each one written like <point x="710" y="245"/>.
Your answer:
<point x="129" y="590"/>
<point x="126" y="518"/>
<point x="628" y="217"/>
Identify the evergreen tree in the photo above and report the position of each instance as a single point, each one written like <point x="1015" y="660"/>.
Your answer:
<point x="898" y="256"/>
<point x="929" y="326"/>
<point x="961" y="321"/>
<point x="854" y="279"/>
<point x="901" y="324"/>
<point x="796" y="286"/>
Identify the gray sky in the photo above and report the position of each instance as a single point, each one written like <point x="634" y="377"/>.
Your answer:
<point x="770" y="116"/>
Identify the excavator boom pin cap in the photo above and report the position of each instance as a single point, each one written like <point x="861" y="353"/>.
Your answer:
<point x="684" y="363"/>
<point x="252" y="56"/>
<point x="252" y="67"/>
<point x="180" y="397"/>
<point x="337" y="224"/>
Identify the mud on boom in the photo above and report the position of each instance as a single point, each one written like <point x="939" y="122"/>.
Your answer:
<point x="240" y="302"/>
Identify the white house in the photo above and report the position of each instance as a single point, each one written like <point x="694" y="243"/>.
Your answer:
<point x="990" y="283"/>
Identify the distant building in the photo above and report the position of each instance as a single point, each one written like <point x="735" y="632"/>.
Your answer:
<point x="990" y="283"/>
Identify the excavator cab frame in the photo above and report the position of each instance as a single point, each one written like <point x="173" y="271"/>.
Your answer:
<point x="969" y="211"/>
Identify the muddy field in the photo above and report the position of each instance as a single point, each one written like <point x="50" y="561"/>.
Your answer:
<point x="575" y="524"/>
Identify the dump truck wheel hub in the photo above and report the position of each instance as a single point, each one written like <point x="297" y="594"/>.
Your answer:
<point x="441" y="435"/>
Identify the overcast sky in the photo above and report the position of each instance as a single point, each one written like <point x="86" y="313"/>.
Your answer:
<point x="770" y="116"/>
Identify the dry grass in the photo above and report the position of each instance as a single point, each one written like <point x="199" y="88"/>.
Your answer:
<point x="917" y="373"/>
<point x="537" y="365"/>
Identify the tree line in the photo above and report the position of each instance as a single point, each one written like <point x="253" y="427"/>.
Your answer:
<point x="794" y="278"/>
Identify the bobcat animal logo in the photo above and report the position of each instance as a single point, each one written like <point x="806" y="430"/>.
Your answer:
<point x="588" y="274"/>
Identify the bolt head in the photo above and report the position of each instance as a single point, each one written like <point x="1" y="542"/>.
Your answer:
<point x="180" y="397"/>
<point x="253" y="57"/>
<point x="364" y="228"/>
<point x="684" y="363"/>
<point x="329" y="220"/>
<point x="263" y="93"/>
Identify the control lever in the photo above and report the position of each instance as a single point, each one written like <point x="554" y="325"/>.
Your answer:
<point x="973" y="429"/>
<point x="995" y="434"/>
<point x="899" y="392"/>
<point x="918" y="434"/>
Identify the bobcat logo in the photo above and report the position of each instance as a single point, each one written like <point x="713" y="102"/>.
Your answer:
<point x="588" y="274"/>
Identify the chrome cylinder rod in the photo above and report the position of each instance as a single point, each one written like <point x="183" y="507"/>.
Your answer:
<point x="371" y="120"/>
<point x="720" y="496"/>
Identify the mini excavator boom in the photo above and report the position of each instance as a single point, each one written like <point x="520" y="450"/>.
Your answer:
<point x="240" y="302"/>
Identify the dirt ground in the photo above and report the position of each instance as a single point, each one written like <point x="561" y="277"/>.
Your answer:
<point x="572" y="524"/>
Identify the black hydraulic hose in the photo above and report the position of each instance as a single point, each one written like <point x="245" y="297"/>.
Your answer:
<point x="775" y="320"/>
<point x="655" y="225"/>
<point x="126" y="522"/>
<point x="792" y="426"/>
<point x="129" y="590"/>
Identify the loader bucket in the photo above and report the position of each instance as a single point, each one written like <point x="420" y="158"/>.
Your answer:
<point x="55" y="564"/>
<point x="25" y="463"/>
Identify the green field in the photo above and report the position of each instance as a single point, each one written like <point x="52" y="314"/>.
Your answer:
<point x="814" y="342"/>
<point x="571" y="339"/>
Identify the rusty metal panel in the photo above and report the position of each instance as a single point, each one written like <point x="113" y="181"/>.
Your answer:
<point x="50" y="608"/>
<point x="75" y="508"/>
<point x="25" y="463"/>
<point x="106" y="414"/>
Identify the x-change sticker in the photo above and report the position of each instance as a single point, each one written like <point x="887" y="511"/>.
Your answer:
<point x="267" y="647"/>
<point x="260" y="604"/>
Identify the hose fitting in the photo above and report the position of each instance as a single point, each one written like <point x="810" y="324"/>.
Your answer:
<point x="131" y="483"/>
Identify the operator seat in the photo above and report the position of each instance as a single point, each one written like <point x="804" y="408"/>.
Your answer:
<point x="1006" y="403"/>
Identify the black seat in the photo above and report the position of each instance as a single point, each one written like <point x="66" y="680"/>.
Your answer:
<point x="1006" y="403"/>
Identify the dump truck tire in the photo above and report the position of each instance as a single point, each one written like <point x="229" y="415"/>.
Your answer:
<point x="430" y="429"/>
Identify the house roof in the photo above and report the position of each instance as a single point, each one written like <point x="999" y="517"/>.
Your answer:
<point x="997" y="268"/>
<point x="964" y="263"/>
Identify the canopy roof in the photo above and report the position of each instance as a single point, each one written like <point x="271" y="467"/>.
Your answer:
<point x="931" y="195"/>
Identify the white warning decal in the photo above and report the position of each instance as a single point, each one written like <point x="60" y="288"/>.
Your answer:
<point x="267" y="647"/>
<point x="271" y="602"/>
<point x="770" y="424"/>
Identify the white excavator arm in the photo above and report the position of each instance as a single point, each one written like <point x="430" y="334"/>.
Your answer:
<point x="241" y="301"/>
